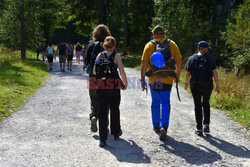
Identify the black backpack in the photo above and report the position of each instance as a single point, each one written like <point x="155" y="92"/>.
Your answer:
<point x="97" y="48"/>
<point x="61" y="50"/>
<point x="106" y="67"/>
<point x="202" y="72"/>
<point x="169" y="68"/>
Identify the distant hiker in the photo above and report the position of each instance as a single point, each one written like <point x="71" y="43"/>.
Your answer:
<point x="78" y="52"/>
<point x="50" y="53"/>
<point x="44" y="47"/>
<point x="63" y="53"/>
<point x="99" y="34"/>
<point x="70" y="49"/>
<point x="38" y="50"/>
<point x="202" y="68"/>
<point x="160" y="56"/>
<point x="108" y="89"/>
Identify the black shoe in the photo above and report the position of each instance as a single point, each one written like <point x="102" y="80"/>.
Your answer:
<point x="93" y="124"/>
<point x="157" y="129"/>
<point x="63" y="70"/>
<point x="199" y="132"/>
<point x="116" y="137"/>
<point x="163" y="133"/>
<point x="68" y="69"/>
<point x="102" y="143"/>
<point x="50" y="69"/>
<point x="206" y="129"/>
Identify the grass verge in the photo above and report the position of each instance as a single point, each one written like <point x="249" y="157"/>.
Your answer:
<point x="234" y="92"/>
<point x="18" y="79"/>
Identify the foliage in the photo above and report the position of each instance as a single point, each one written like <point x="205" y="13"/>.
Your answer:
<point x="41" y="18"/>
<point x="237" y="39"/>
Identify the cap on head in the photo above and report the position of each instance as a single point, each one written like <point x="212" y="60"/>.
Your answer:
<point x="158" y="30"/>
<point x="203" y="44"/>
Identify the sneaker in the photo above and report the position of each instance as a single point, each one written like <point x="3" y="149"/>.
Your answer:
<point x="116" y="137"/>
<point x="93" y="124"/>
<point x="157" y="129"/>
<point x="199" y="132"/>
<point x="163" y="133"/>
<point x="102" y="143"/>
<point x="206" y="129"/>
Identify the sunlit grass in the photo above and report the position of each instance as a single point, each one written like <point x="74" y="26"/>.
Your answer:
<point x="18" y="79"/>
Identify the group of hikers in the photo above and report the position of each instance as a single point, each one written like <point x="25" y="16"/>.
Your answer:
<point x="64" y="51"/>
<point x="162" y="64"/>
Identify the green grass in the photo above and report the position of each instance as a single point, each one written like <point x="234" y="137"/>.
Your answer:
<point x="18" y="79"/>
<point x="234" y="97"/>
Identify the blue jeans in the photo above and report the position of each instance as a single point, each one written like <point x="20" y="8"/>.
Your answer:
<point x="160" y="108"/>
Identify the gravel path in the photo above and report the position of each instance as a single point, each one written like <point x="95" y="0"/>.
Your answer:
<point x="53" y="130"/>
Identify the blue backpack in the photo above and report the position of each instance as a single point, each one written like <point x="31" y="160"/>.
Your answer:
<point x="50" y="51"/>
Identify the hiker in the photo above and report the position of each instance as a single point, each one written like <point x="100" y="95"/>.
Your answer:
<point x="202" y="68"/>
<point x="160" y="57"/>
<point x="50" y="53"/>
<point x="44" y="51"/>
<point x="38" y="49"/>
<point x="108" y="89"/>
<point x="70" y="49"/>
<point x="78" y="52"/>
<point x="63" y="53"/>
<point x="100" y="32"/>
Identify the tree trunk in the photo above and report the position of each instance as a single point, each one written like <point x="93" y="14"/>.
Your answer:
<point x="125" y="38"/>
<point x="102" y="19"/>
<point x="23" y="31"/>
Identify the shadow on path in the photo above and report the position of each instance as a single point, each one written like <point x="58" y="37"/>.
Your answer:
<point x="229" y="148"/>
<point x="193" y="155"/>
<point x="126" y="151"/>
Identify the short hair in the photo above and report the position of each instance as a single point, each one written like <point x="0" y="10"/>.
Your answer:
<point x="100" y="32"/>
<point x="109" y="42"/>
<point x="158" y="30"/>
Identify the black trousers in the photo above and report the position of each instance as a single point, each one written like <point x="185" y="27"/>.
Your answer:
<point x="109" y="99"/>
<point x="93" y="100"/>
<point x="201" y="101"/>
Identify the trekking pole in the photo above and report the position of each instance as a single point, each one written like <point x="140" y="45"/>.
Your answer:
<point x="177" y="90"/>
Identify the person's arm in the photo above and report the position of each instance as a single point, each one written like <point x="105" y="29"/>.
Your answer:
<point x="144" y="65"/>
<point x="97" y="59"/>
<point x="216" y="80"/>
<point x="178" y="69"/>
<point x="186" y="79"/>
<point x="121" y="70"/>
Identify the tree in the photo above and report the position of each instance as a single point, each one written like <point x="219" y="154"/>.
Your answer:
<point x="125" y="28"/>
<point x="22" y="31"/>
<point x="237" y="39"/>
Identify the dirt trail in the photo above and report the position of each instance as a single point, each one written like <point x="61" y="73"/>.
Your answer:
<point x="53" y="129"/>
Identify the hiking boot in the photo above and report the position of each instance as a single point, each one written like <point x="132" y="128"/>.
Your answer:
<point x="199" y="132"/>
<point x="157" y="129"/>
<point x="116" y="137"/>
<point x="93" y="124"/>
<point x="163" y="133"/>
<point x="206" y="129"/>
<point x="102" y="143"/>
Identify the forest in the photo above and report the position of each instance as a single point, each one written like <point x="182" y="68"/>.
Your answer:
<point x="223" y="23"/>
